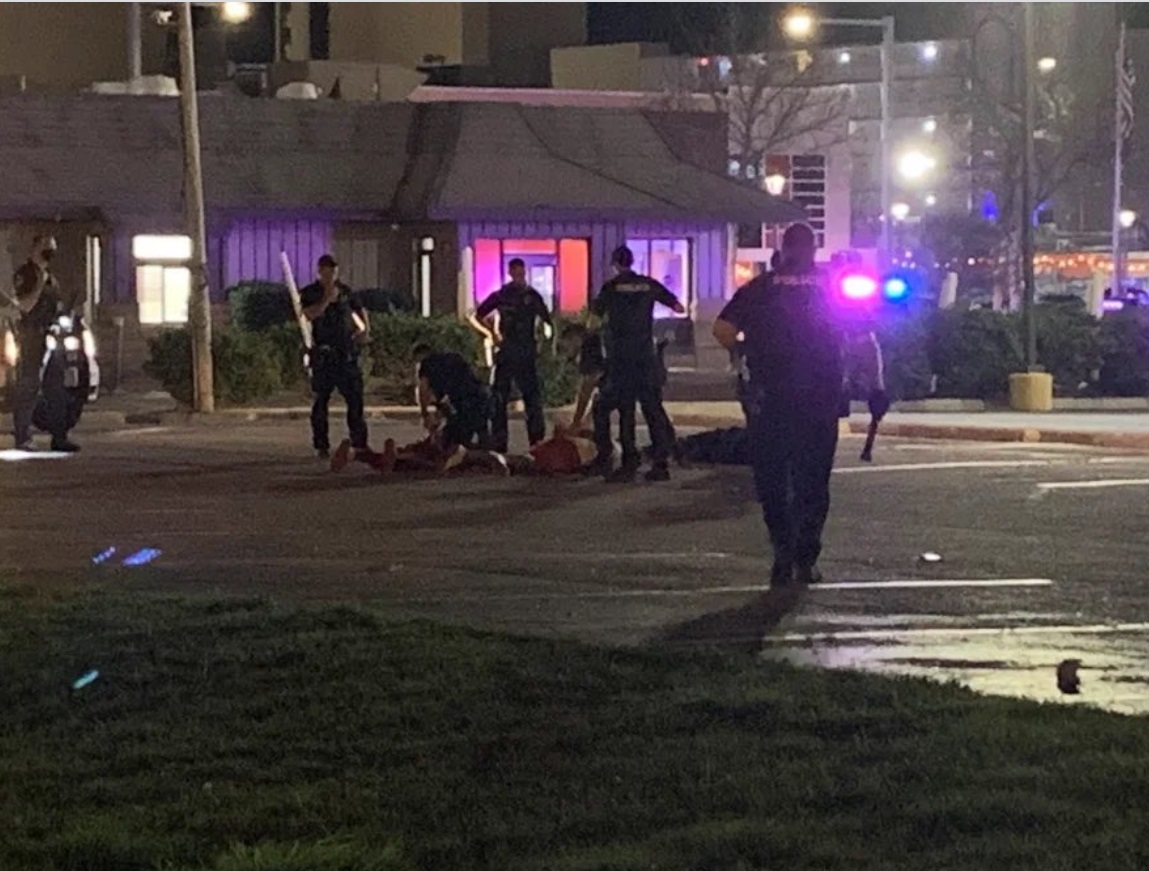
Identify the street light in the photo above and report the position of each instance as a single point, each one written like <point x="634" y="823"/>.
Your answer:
<point x="1047" y="65"/>
<point x="235" y="13"/>
<point x="900" y="211"/>
<point x="1127" y="218"/>
<point x="775" y="184"/>
<point x="915" y="165"/>
<point x="800" y="25"/>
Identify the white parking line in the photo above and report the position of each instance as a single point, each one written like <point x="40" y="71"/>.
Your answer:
<point x="1094" y="485"/>
<point x="916" y="584"/>
<point x="756" y="588"/>
<point x="929" y="467"/>
<point x="955" y="632"/>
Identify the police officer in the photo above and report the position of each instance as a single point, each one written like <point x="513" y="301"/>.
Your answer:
<point x="795" y="346"/>
<point x="627" y="303"/>
<point x="520" y="307"/>
<point x="448" y="388"/>
<point x="39" y="301"/>
<point x="338" y="324"/>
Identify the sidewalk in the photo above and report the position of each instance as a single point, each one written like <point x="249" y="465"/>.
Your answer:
<point x="1129" y="430"/>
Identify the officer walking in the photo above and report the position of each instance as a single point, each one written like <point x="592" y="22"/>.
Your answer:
<point x="38" y="299"/>
<point x="795" y="346"/>
<point x="520" y="307"/>
<point x="627" y="303"/>
<point x="338" y="324"/>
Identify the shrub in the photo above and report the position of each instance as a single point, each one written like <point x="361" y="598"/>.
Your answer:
<point x="974" y="352"/>
<point x="258" y="305"/>
<point x="1068" y="344"/>
<point x="246" y="365"/>
<point x="1124" y="341"/>
<point x="389" y="360"/>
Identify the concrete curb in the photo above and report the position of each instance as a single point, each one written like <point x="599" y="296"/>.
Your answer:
<point x="1028" y="435"/>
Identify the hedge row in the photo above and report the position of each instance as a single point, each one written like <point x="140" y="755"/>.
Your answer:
<point x="253" y="365"/>
<point x="952" y="354"/>
<point x="971" y="354"/>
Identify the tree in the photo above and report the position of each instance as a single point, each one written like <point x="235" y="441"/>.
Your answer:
<point x="1067" y="139"/>
<point x="774" y="100"/>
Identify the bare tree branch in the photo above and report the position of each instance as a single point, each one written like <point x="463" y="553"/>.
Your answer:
<point x="773" y="102"/>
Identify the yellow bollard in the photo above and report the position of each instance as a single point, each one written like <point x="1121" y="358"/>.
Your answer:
<point x="1031" y="391"/>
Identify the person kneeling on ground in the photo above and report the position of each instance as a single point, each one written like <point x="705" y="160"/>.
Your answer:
<point x="453" y="404"/>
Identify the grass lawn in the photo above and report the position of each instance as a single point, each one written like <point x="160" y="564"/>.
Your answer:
<point x="235" y="735"/>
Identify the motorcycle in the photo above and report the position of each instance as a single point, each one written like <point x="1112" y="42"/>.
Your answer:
<point x="69" y="371"/>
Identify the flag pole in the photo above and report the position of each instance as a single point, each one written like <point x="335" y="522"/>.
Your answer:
<point x="1118" y="155"/>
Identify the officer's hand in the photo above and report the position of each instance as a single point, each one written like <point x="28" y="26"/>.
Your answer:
<point x="879" y="403"/>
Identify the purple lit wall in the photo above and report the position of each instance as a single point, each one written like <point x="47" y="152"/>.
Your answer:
<point x="251" y="249"/>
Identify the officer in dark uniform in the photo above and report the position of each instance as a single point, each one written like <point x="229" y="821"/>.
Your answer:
<point x="338" y="324"/>
<point x="448" y="388"/>
<point x="794" y="345"/>
<point x="520" y="307"/>
<point x="583" y="347"/>
<point x="39" y="300"/>
<point x="632" y="370"/>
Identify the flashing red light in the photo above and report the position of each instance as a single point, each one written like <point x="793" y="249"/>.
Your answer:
<point x="859" y="287"/>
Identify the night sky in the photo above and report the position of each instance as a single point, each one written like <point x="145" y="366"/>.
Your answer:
<point x="684" y="25"/>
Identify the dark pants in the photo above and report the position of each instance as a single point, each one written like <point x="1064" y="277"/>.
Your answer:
<point x="792" y="453"/>
<point x="516" y="369"/>
<point x="626" y="384"/>
<point x="26" y="393"/>
<point x="467" y="423"/>
<point x="331" y="372"/>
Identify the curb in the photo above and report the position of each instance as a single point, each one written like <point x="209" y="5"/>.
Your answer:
<point x="1028" y="435"/>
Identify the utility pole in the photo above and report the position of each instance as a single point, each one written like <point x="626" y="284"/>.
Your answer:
<point x="885" y="255"/>
<point x="199" y="305"/>
<point x="1027" y="194"/>
<point x="135" y="38"/>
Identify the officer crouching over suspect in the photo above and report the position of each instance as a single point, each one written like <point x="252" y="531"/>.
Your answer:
<point x="795" y="343"/>
<point x="338" y="324"/>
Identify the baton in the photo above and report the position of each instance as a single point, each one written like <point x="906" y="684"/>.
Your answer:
<point x="871" y="435"/>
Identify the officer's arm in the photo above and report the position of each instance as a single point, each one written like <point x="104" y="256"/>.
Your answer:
<point x="726" y="334"/>
<point x="586" y="390"/>
<point x="314" y="302"/>
<point x="30" y="283"/>
<point x="478" y="319"/>
<point x="663" y="295"/>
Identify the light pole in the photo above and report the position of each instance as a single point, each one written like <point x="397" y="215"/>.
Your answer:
<point x="199" y="303"/>
<point x="801" y="25"/>
<point x="1028" y="164"/>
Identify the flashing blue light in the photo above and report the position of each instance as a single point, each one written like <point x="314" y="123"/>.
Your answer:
<point x="895" y="288"/>
<point x="142" y="557"/>
<point x="102" y="557"/>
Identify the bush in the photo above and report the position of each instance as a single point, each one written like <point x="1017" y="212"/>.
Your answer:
<point x="974" y="352"/>
<point x="1124" y="342"/>
<point x="385" y="301"/>
<point x="1068" y="344"/>
<point x="389" y="360"/>
<point x="247" y="366"/>
<point x="259" y="305"/>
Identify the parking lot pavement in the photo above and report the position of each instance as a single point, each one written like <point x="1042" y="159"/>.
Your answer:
<point x="1042" y="550"/>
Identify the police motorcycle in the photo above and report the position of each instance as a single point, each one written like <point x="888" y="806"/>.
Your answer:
<point x="69" y="369"/>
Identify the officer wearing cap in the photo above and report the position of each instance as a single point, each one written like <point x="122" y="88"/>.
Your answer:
<point x="795" y="344"/>
<point x="627" y="303"/>
<point x="338" y="325"/>
<point x="39" y="300"/>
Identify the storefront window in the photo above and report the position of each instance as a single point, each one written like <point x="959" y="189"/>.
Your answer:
<point x="668" y="261"/>
<point x="163" y="279"/>
<point x="559" y="269"/>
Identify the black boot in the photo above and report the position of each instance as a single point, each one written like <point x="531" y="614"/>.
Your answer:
<point x="807" y="575"/>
